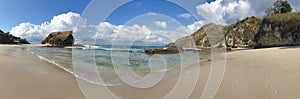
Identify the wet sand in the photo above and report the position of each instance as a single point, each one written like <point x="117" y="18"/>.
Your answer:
<point x="24" y="76"/>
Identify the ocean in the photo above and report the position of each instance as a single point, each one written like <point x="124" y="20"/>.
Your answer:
<point x="92" y="62"/>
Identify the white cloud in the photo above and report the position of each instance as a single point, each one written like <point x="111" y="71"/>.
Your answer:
<point x="185" y="16"/>
<point x="35" y="33"/>
<point x="222" y="12"/>
<point x="103" y="33"/>
<point x="161" y="24"/>
<point x="295" y="5"/>
<point x="120" y="34"/>
<point x="229" y="11"/>
<point x="195" y="26"/>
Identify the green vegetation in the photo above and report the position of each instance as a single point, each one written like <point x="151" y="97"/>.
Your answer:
<point x="284" y="18"/>
<point x="7" y="38"/>
<point x="279" y="6"/>
<point x="241" y="34"/>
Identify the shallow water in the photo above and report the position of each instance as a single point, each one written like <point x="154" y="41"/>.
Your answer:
<point x="107" y="59"/>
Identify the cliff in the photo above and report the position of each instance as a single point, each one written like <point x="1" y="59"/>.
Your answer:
<point x="272" y="31"/>
<point x="199" y="38"/>
<point x="279" y="30"/>
<point x="59" y="39"/>
<point x="240" y="34"/>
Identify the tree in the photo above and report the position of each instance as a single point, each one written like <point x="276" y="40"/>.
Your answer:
<point x="279" y="6"/>
<point x="286" y="7"/>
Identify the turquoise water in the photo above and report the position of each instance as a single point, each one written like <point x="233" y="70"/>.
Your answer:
<point x="105" y="57"/>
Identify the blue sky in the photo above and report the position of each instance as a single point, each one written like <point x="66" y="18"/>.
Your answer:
<point x="132" y="9"/>
<point x="14" y="12"/>
<point x="105" y="19"/>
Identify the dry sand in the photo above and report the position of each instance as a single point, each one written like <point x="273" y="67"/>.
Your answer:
<point x="272" y="73"/>
<point x="25" y="77"/>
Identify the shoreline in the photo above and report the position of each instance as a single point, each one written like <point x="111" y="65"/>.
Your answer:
<point x="24" y="76"/>
<point x="250" y="74"/>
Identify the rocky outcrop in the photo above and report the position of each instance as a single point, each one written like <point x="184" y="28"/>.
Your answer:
<point x="274" y="30"/>
<point x="172" y="49"/>
<point x="242" y="33"/>
<point x="161" y="51"/>
<point x="59" y="39"/>
<point x="279" y="30"/>
<point x="199" y="38"/>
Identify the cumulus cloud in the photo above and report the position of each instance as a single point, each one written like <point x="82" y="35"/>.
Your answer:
<point x="161" y="24"/>
<point x="219" y="12"/>
<point x="102" y="33"/>
<point x="229" y="11"/>
<point x="35" y="33"/>
<point x="196" y="25"/>
<point x="224" y="11"/>
<point x="185" y="16"/>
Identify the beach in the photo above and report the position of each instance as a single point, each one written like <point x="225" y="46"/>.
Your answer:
<point x="270" y="73"/>
<point x="24" y="76"/>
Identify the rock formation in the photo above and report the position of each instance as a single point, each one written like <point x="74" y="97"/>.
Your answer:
<point x="273" y="30"/>
<point x="172" y="49"/>
<point x="199" y="38"/>
<point x="279" y="30"/>
<point x="242" y="33"/>
<point x="59" y="39"/>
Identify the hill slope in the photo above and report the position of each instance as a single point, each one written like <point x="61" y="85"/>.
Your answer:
<point x="240" y="34"/>
<point x="7" y="38"/>
<point x="279" y="30"/>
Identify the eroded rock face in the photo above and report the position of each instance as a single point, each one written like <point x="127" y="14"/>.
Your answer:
<point x="59" y="39"/>
<point x="200" y="38"/>
<point x="242" y="33"/>
<point x="274" y="30"/>
<point x="279" y="30"/>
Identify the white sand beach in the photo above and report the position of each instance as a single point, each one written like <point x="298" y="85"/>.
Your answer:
<point x="25" y="77"/>
<point x="271" y="73"/>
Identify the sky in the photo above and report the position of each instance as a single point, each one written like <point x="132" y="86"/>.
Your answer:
<point x="14" y="12"/>
<point x="106" y="21"/>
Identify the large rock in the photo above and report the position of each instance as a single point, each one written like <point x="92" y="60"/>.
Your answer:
<point x="279" y="30"/>
<point x="242" y="33"/>
<point x="199" y="38"/>
<point x="172" y="49"/>
<point x="59" y="39"/>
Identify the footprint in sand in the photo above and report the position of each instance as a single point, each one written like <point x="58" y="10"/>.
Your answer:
<point x="267" y="82"/>
<point x="277" y="93"/>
